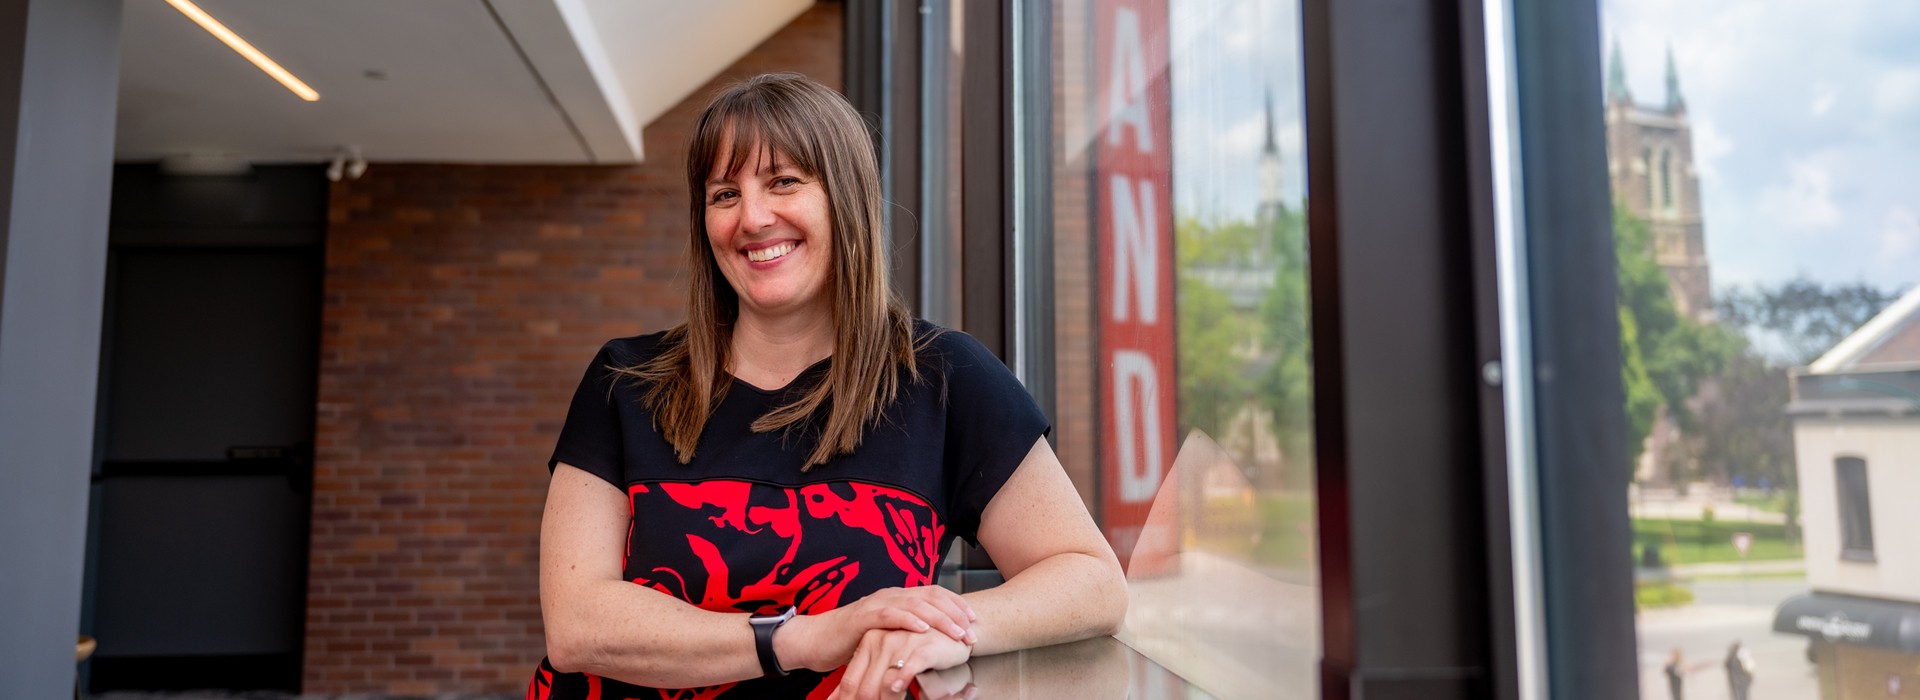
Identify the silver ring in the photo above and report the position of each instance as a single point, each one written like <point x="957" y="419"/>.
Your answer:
<point x="901" y="663"/>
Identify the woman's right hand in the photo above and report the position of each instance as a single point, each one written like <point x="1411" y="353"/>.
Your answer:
<point x="826" y="641"/>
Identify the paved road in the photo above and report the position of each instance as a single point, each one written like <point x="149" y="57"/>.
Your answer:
<point x="1725" y="611"/>
<point x="1726" y="512"/>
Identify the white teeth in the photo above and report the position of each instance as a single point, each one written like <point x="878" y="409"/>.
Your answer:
<point x="770" y="252"/>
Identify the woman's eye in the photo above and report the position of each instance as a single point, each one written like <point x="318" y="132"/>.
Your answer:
<point x="721" y="197"/>
<point x="786" y="181"/>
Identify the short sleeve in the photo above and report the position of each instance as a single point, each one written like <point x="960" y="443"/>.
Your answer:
<point x="591" y="437"/>
<point x="992" y="423"/>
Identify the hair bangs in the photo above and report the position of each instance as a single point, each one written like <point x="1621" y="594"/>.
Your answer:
<point x="745" y="125"/>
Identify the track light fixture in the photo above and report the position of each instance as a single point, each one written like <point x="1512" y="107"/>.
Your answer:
<point x="347" y="164"/>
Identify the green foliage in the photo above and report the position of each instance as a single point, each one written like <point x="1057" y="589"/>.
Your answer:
<point x="1802" y="317"/>
<point x="1745" y="431"/>
<point x="1251" y="351"/>
<point x="1664" y="356"/>
<point x="1210" y="381"/>
<point x="1643" y="400"/>
<point x="1700" y="541"/>
<point x="1661" y="594"/>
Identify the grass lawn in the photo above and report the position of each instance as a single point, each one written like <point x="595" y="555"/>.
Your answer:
<point x="1661" y="595"/>
<point x="1272" y="529"/>
<point x="1287" y="528"/>
<point x="1700" y="542"/>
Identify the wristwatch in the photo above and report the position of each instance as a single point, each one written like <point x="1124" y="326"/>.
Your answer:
<point x="763" y="627"/>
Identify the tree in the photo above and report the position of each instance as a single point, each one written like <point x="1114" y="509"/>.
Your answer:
<point x="1800" y="319"/>
<point x="1664" y="356"/>
<point x="1745" y="431"/>
<point x="1234" y="353"/>
<point x="1643" y="400"/>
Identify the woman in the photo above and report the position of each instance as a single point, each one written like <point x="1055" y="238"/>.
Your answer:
<point x="782" y="474"/>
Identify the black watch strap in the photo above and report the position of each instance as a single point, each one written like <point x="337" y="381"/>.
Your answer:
<point x="763" y="627"/>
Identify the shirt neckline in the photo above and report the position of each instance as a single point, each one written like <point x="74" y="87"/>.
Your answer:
<point x="782" y="389"/>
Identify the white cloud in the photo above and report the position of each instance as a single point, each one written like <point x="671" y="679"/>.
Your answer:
<point x="1899" y="233"/>
<point x="1806" y="203"/>
<point x="1897" y="94"/>
<point x="1823" y="99"/>
<point x="1245" y="136"/>
<point x="1242" y="32"/>
<point x="1710" y="146"/>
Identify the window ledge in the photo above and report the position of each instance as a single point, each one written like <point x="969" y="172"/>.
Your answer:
<point x="1858" y="555"/>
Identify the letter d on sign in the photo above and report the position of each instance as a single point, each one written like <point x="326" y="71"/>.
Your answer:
<point x="1136" y="413"/>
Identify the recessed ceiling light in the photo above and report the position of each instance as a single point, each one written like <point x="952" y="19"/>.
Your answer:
<point x="240" y="46"/>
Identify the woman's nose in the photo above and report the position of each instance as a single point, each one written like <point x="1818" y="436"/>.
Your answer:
<point x="756" y="211"/>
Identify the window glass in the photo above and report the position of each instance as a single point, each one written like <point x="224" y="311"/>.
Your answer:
<point x="942" y="54"/>
<point x="1856" y="514"/>
<point x="1771" y="337"/>
<point x="1181" y="369"/>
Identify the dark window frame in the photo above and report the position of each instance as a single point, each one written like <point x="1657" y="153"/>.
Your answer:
<point x="1430" y="425"/>
<point x="1853" y="500"/>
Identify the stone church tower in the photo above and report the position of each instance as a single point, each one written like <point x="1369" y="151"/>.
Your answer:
<point x="1650" y="165"/>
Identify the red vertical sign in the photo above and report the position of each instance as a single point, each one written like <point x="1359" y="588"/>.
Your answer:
<point x="1133" y="180"/>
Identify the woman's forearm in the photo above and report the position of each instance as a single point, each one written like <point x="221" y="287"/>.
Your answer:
<point x="634" y="634"/>
<point x="1066" y="597"/>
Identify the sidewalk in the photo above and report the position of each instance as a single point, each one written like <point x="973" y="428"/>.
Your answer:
<point x="1667" y="504"/>
<point x="1735" y="568"/>
<point x="1725" y="512"/>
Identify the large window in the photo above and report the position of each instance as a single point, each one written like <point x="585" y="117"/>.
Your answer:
<point x="1174" y="177"/>
<point x="1770" y="331"/>
<point x="1856" y="514"/>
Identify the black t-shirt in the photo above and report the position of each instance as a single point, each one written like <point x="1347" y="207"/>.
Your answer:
<point x="742" y="529"/>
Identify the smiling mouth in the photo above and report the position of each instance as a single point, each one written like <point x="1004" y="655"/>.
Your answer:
<point x="771" y="252"/>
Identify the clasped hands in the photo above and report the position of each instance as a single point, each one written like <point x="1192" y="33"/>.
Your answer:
<point x="883" y="640"/>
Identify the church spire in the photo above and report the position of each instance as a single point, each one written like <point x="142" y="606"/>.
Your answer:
<point x="1273" y="144"/>
<point x="1617" y="75"/>
<point x="1272" y="202"/>
<point x="1675" y="103"/>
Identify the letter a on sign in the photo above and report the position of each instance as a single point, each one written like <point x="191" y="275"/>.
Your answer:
<point x="1127" y="83"/>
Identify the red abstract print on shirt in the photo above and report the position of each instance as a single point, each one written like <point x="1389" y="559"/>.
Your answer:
<point x="751" y="547"/>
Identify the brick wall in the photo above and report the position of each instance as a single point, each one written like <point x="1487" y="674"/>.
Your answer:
<point x="462" y="304"/>
<point x="1074" y="318"/>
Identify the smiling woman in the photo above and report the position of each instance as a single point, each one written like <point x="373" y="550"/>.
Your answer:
<point x="755" y="503"/>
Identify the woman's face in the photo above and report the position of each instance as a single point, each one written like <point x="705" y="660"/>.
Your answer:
<point x="770" y="227"/>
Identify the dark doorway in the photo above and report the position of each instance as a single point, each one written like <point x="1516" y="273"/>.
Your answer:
<point x="197" y="550"/>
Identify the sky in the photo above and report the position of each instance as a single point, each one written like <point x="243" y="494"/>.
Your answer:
<point x="1226" y="55"/>
<point x="1806" y="122"/>
<point x="1806" y="129"/>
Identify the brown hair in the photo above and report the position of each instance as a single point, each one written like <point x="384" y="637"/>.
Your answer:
<point x="817" y="131"/>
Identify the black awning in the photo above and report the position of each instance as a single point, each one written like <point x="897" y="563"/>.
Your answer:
<point x="1848" y="620"/>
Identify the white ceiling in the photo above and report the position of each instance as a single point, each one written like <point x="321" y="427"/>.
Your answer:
<point x="477" y="81"/>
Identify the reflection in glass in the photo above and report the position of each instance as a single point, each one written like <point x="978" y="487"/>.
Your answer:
<point x="1182" y="356"/>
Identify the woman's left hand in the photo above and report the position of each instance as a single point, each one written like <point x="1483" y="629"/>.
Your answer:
<point x="887" y="660"/>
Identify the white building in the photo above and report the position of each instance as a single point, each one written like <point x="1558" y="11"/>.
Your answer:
<point x="1856" y="434"/>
